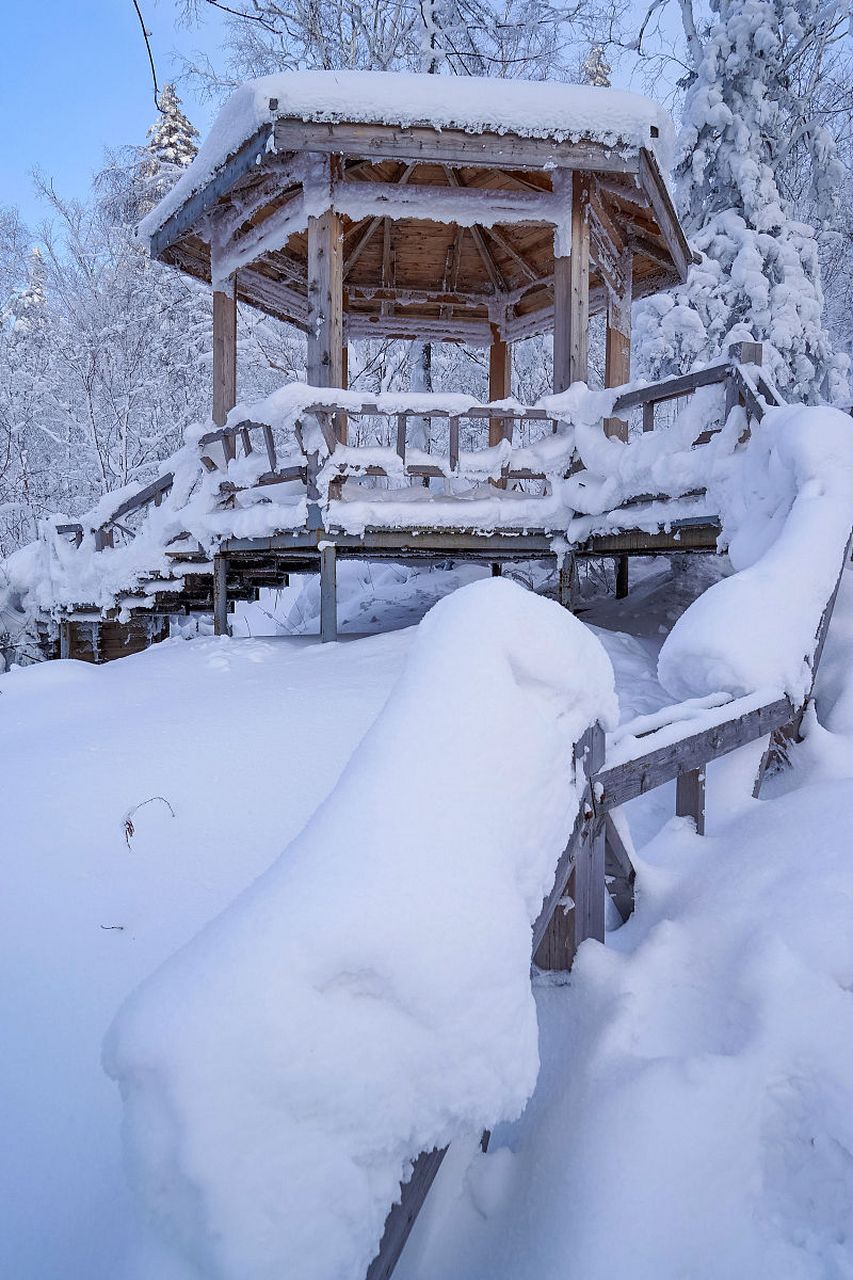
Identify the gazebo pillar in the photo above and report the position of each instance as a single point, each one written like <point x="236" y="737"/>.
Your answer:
<point x="325" y="300"/>
<point x="571" y="284"/>
<point x="224" y="349"/>
<point x="617" y="353"/>
<point x="500" y="381"/>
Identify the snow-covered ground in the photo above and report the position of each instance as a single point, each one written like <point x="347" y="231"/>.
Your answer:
<point x="691" y="1116"/>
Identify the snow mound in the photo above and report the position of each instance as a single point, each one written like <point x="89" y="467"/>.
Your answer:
<point x="787" y="510"/>
<point x="369" y="996"/>
<point x="476" y="104"/>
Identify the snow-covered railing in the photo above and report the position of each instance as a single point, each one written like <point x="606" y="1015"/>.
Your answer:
<point x="402" y="459"/>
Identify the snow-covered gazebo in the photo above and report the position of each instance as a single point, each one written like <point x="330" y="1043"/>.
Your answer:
<point x="358" y="204"/>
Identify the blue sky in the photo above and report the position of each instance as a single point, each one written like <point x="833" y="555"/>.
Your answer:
<point x="74" y="78"/>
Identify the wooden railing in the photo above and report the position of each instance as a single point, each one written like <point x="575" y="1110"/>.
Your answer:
<point x="597" y="861"/>
<point x="741" y="373"/>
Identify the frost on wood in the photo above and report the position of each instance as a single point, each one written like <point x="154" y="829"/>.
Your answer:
<point x="369" y="996"/>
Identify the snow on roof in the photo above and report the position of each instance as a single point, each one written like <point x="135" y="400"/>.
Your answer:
<point x="474" y="104"/>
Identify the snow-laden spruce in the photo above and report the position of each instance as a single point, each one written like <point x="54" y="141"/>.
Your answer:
<point x="759" y="274"/>
<point x="787" y="515"/>
<point x="369" y="996"/>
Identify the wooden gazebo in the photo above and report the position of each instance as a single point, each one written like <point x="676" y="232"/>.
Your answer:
<point x="444" y="209"/>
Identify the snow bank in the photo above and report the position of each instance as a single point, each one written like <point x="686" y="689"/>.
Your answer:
<point x="475" y="104"/>
<point x="786" y="504"/>
<point x="369" y="996"/>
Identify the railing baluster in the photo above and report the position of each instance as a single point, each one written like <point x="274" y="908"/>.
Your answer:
<point x="454" y="444"/>
<point x="401" y="437"/>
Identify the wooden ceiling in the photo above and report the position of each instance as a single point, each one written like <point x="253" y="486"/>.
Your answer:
<point x="406" y="276"/>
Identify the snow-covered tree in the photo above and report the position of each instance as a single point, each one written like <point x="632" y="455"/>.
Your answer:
<point x="759" y="274"/>
<point x="595" y="69"/>
<point x="172" y="138"/>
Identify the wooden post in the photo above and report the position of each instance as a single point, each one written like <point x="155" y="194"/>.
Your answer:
<point x="571" y="292"/>
<point x="325" y="300"/>
<point x="581" y="913"/>
<point x="568" y="577"/>
<point x="621" y="577"/>
<point x="690" y="797"/>
<point x="224" y="350"/>
<point x="500" y="382"/>
<point x="328" y="593"/>
<point x="64" y="638"/>
<point x="220" y="595"/>
<point x="617" y="354"/>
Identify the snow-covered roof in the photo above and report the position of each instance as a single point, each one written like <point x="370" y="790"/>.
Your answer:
<point x="473" y="104"/>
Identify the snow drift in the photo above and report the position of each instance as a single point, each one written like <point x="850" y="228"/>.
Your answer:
<point x="369" y="996"/>
<point x="787" y="510"/>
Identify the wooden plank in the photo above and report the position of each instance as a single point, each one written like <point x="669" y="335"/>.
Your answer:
<point x="621" y="577"/>
<point x="224" y="352"/>
<point x="649" y="415"/>
<point x="690" y="797"/>
<point x="471" y="207"/>
<point x="617" y="784"/>
<point x="402" y="419"/>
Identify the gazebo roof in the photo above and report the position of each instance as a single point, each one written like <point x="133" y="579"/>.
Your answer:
<point x="452" y="193"/>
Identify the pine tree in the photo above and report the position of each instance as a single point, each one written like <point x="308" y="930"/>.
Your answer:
<point x="759" y="275"/>
<point x="171" y="139"/>
<point x="595" y="69"/>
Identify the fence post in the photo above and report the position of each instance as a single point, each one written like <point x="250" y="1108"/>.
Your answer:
<point x="328" y="592"/>
<point x="220" y="595"/>
<point x="690" y="797"/>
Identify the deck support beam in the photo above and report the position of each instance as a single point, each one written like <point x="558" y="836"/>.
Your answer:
<point x="220" y="595"/>
<point x="224" y="350"/>
<point x="328" y="592"/>
<point x="571" y="289"/>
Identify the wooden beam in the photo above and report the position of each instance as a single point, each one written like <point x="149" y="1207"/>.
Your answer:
<point x="617" y="784"/>
<point x="504" y="244"/>
<point x="325" y="300"/>
<point x="571" y="292"/>
<point x="450" y="146"/>
<point x="224" y="352"/>
<point x="244" y="160"/>
<point x="655" y="188"/>
<point x="373" y="225"/>
<point x="492" y="270"/>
